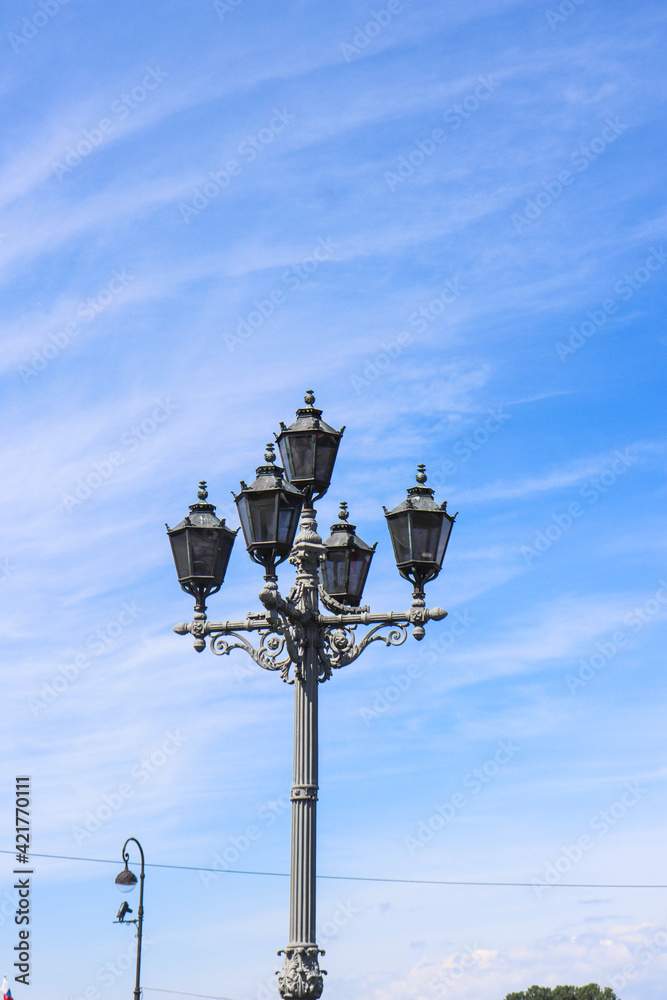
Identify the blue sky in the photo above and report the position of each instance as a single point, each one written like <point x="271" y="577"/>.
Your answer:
<point x="449" y="221"/>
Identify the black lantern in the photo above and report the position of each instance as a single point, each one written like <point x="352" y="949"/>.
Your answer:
<point x="269" y="510"/>
<point x="346" y="562"/>
<point x="308" y="449"/>
<point x="419" y="530"/>
<point x="201" y="545"/>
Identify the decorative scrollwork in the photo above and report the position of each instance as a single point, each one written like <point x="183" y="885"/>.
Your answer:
<point x="267" y="655"/>
<point x="343" y="649"/>
<point x="281" y="646"/>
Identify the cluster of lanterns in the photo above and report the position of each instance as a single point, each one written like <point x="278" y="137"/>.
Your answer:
<point x="269" y="511"/>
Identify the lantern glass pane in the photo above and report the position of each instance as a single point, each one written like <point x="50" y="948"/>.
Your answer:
<point x="244" y="515"/>
<point x="326" y="456"/>
<point x="180" y="551"/>
<point x="224" y="552"/>
<point x="335" y="570"/>
<point x="358" y="566"/>
<point x="287" y="519"/>
<point x="301" y="448"/>
<point x="425" y="535"/>
<point x="263" y="518"/>
<point x="400" y="537"/>
<point x="203" y="551"/>
<point x="444" y="538"/>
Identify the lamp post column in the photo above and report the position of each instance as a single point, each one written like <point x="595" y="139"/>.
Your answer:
<point x="140" y="929"/>
<point x="300" y="976"/>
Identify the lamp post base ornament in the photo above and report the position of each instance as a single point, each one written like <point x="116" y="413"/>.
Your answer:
<point x="301" y="976"/>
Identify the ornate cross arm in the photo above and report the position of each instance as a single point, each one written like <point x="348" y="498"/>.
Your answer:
<point x="276" y="635"/>
<point x="200" y="628"/>
<point x="416" y="616"/>
<point x="339" y="633"/>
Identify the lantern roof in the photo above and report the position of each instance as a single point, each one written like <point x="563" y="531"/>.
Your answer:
<point x="309" y="418"/>
<point x="343" y="533"/>
<point x="202" y="514"/>
<point x="419" y="497"/>
<point x="270" y="477"/>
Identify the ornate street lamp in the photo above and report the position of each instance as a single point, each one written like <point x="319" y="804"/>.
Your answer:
<point x="269" y="510"/>
<point x="308" y="448"/>
<point x="419" y="529"/>
<point x="306" y="646"/>
<point x="347" y="561"/>
<point x="201" y="545"/>
<point x="126" y="881"/>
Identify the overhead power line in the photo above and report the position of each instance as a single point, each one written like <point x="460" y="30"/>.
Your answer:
<point x="206" y="996"/>
<point x="362" y="878"/>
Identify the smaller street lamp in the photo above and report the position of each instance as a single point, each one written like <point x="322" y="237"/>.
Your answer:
<point x="308" y="448"/>
<point x="201" y="545"/>
<point x="269" y="511"/>
<point x="347" y="561"/>
<point x="126" y="882"/>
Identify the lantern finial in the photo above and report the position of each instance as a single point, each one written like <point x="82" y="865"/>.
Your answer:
<point x="343" y="512"/>
<point x="202" y="492"/>
<point x="270" y="453"/>
<point x="309" y="398"/>
<point x="421" y="476"/>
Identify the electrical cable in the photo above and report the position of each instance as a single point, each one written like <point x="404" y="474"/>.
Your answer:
<point x="363" y="878"/>
<point x="206" y="996"/>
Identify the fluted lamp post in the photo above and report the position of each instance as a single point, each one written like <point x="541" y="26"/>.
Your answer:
<point x="293" y="637"/>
